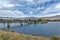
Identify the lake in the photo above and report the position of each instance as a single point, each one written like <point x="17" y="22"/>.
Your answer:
<point x="48" y="30"/>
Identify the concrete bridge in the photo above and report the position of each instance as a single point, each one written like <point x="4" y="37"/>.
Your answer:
<point x="9" y="21"/>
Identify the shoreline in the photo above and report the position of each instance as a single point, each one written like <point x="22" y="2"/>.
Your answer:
<point x="17" y="36"/>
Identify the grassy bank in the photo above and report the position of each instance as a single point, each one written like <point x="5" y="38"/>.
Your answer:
<point x="55" y="38"/>
<point x="15" y="36"/>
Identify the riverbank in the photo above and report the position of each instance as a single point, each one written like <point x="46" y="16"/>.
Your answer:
<point x="16" y="36"/>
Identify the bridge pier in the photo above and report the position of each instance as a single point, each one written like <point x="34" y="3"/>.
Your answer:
<point x="4" y="23"/>
<point x="21" y="24"/>
<point x="8" y="25"/>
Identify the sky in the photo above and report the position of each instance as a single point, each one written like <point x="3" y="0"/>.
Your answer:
<point x="29" y="8"/>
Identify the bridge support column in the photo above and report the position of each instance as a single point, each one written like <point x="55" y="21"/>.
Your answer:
<point x="21" y="24"/>
<point x="8" y="25"/>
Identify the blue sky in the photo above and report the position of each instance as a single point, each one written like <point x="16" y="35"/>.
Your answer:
<point x="23" y="8"/>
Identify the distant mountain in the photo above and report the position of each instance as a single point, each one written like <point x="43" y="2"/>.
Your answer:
<point x="6" y="18"/>
<point x="57" y="17"/>
<point x="28" y="18"/>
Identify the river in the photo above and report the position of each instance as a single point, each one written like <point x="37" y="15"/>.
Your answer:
<point x="47" y="29"/>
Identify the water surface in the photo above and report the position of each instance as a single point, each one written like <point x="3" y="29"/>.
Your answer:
<point x="49" y="29"/>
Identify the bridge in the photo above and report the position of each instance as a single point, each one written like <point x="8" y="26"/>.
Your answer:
<point x="9" y="21"/>
<point x="21" y="21"/>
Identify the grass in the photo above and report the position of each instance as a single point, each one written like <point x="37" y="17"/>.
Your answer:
<point x="55" y="38"/>
<point x="15" y="36"/>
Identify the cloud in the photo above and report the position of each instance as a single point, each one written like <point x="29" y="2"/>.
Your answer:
<point x="49" y="15"/>
<point x="57" y="6"/>
<point x="18" y="8"/>
<point x="31" y="13"/>
<point x="7" y="4"/>
<point x="53" y="8"/>
<point x="41" y="1"/>
<point x="11" y="13"/>
<point x="30" y="1"/>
